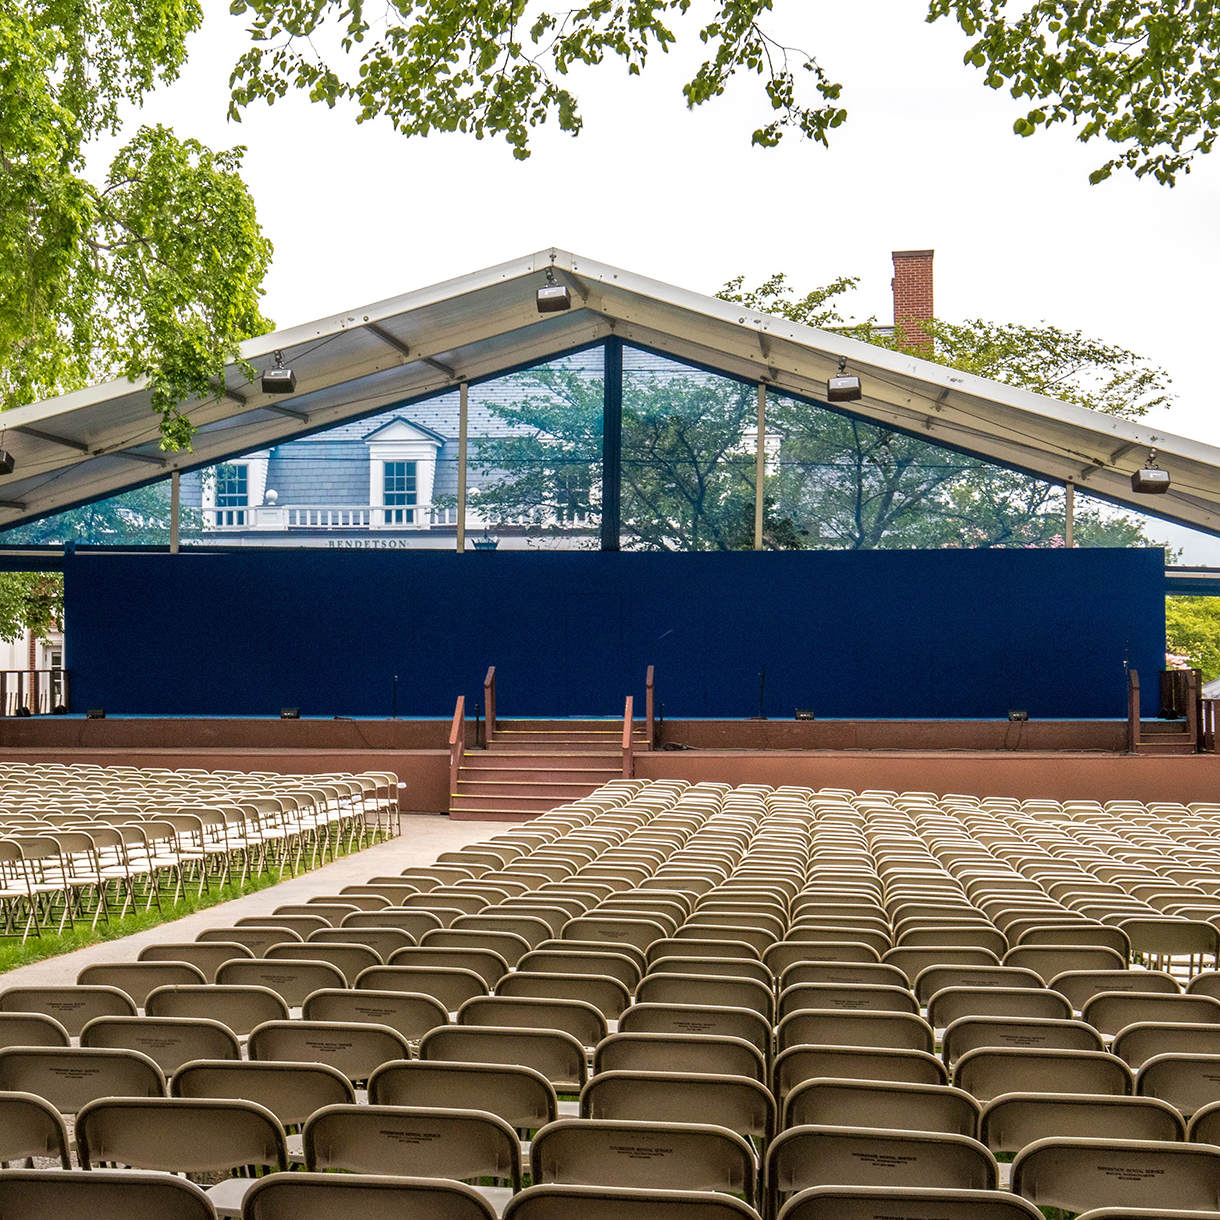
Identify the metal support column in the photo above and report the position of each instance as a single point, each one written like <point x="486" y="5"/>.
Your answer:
<point x="1069" y="514"/>
<point x="612" y="445"/>
<point x="175" y="510"/>
<point x="760" y="465"/>
<point x="461" y="494"/>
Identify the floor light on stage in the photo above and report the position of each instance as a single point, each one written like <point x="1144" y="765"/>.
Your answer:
<point x="804" y="713"/>
<point x="96" y="713"/>
<point x="290" y="713"/>
<point x="1018" y="715"/>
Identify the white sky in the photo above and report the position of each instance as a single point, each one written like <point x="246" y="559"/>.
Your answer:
<point x="926" y="158"/>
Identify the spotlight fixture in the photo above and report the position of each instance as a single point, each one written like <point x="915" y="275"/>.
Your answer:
<point x="279" y="380"/>
<point x="1151" y="480"/>
<point x="290" y="713"/>
<point x="1018" y="715"/>
<point x="843" y="388"/>
<point x="552" y="297"/>
<point x="96" y="713"/>
<point x="804" y="713"/>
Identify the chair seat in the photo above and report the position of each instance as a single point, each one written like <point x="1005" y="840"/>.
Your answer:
<point x="227" y="1196"/>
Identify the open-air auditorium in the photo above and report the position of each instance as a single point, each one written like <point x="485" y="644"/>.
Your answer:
<point x="559" y="877"/>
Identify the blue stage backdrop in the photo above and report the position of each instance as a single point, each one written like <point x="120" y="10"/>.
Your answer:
<point x="918" y="634"/>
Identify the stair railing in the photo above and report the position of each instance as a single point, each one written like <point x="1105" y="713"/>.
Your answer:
<point x="457" y="743"/>
<point x="1211" y="718"/>
<point x="628" y="739"/>
<point x="1192" y="708"/>
<point x="650" y="706"/>
<point x="1133" y="710"/>
<point x="489" y="702"/>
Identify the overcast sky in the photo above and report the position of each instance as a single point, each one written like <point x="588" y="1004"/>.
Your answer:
<point x="926" y="158"/>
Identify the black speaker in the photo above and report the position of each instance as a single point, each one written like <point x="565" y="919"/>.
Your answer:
<point x="1018" y="715"/>
<point x="804" y="713"/>
<point x="290" y="713"/>
<point x="96" y="713"/>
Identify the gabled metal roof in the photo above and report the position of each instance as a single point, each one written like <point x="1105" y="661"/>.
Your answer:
<point x="102" y="440"/>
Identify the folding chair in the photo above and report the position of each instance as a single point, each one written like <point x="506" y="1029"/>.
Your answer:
<point x="52" y="1194"/>
<point x="168" y="1041"/>
<point x="987" y="1073"/>
<point x="607" y="995"/>
<point x="715" y="967"/>
<point x="239" y="1009"/>
<point x="1035" y="1033"/>
<point x="324" y="1196"/>
<point x="556" y="1055"/>
<point x="69" y="1077"/>
<point x="450" y="987"/>
<point x="954" y="1003"/>
<point x="912" y="1203"/>
<point x="177" y="1135"/>
<point x="636" y="1052"/>
<point x="486" y="963"/>
<point x="406" y="1141"/>
<point x="411" y="1015"/>
<point x="1110" y="1011"/>
<point x="643" y="1156"/>
<point x="617" y="966"/>
<point x="383" y="941"/>
<point x="1188" y="1082"/>
<point x="1049" y="960"/>
<point x="584" y="1022"/>
<point x="205" y="956"/>
<point x="413" y="923"/>
<point x="1013" y="1121"/>
<point x="290" y="979"/>
<point x="548" y="1202"/>
<point x="72" y="1007"/>
<point x="1080" y="986"/>
<point x="137" y="979"/>
<point x="850" y="997"/>
<point x="31" y="1029"/>
<point x="1136" y="1044"/>
<point x="800" y="1063"/>
<point x="1079" y="1174"/>
<point x="31" y="1127"/>
<point x="356" y="1050"/>
<point x="827" y="1101"/>
<point x="832" y="1027"/>
<point x="742" y="1023"/>
<point x="348" y="958"/>
<point x="257" y="939"/>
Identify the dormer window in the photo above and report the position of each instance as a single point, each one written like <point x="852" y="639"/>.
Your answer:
<point x="402" y="472"/>
<point x="232" y="494"/>
<point x="399" y="492"/>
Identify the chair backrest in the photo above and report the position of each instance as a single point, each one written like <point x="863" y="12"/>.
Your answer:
<point x="31" y="1127"/>
<point x="1110" y="1011"/>
<point x="31" y="1029"/>
<point x="291" y="1091"/>
<point x="205" y="955"/>
<point x="180" y="1135"/>
<point x="237" y="1008"/>
<point x="881" y="1103"/>
<point x="137" y="979"/>
<point x="72" y="1007"/>
<point x="635" y="1052"/>
<point x="1010" y="1122"/>
<point x="412" y="1141"/>
<point x="1187" y="1081"/>
<point x="522" y="1097"/>
<point x="69" y="1077"/>
<point x="1080" y="986"/>
<point x="663" y="988"/>
<point x="605" y="963"/>
<point x="801" y="1063"/>
<point x="911" y="961"/>
<point x="932" y="979"/>
<point x="953" y="1003"/>
<point x="871" y="1202"/>
<point x="324" y="1196"/>
<point x="715" y="967"/>
<point x="582" y="1021"/>
<point x="1041" y="1033"/>
<point x="290" y="979"/>
<point x="989" y="1072"/>
<point x="486" y="963"/>
<point x="412" y="1015"/>
<point x="257" y="940"/>
<point x="742" y="1023"/>
<point x="450" y="987"/>
<point x="51" y="1194"/>
<point x="355" y="1049"/>
<point x="1079" y="1174"/>
<point x="1050" y="960"/>
<point x="607" y="995"/>
<point x="1136" y="1044"/>
<point x="413" y="923"/>
<point x="847" y="997"/>
<point x="828" y="1027"/>
<point x="558" y="1056"/>
<point x="168" y="1041"/>
<point x="348" y="958"/>
<point x="383" y="941"/>
<point x="642" y="1156"/>
<point x="736" y="1102"/>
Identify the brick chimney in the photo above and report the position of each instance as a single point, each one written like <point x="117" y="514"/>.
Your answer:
<point x="912" y="285"/>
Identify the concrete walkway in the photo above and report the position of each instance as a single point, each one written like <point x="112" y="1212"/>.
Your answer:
<point x="423" y="838"/>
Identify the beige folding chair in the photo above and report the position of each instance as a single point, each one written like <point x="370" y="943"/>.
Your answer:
<point x="31" y="1127"/>
<point x="715" y="967"/>
<point x="614" y="965"/>
<point x="582" y="1021"/>
<point x="31" y="1029"/>
<point x="257" y="940"/>
<point x="742" y="1023"/>
<point x="356" y="1050"/>
<point x="634" y="1052"/>
<point x="450" y="987"/>
<point x="178" y="1135"/>
<point x="656" y="988"/>
<point x="137" y="979"/>
<point x="507" y="945"/>
<point x="800" y="1063"/>
<point x="1188" y="1082"/>
<point x="1049" y="960"/>
<point x="414" y="923"/>
<point x="411" y="1015"/>
<point x="1036" y="1033"/>
<point x="608" y="930"/>
<point x="406" y="1141"/>
<point x="1136" y="1044"/>
<point x="348" y="958"/>
<point x="52" y="1194"/>
<point x="324" y="1196"/>
<point x="832" y="1027"/>
<point x="1079" y="1174"/>
<point x="69" y="1077"/>
<point x="607" y="995"/>
<point x="205" y="956"/>
<point x="552" y="1202"/>
<point x="932" y="979"/>
<point x="1080" y="986"/>
<point x="1204" y="1127"/>
<point x="843" y="974"/>
<point x="912" y="1203"/>
<point x="831" y="1102"/>
<point x="953" y="1003"/>
<point x="168" y="1041"/>
<point x="849" y="997"/>
<point x="237" y="1008"/>
<point x="643" y="1156"/>
<point x="72" y="1007"/>
<point x="1110" y="1011"/>
<point x="1013" y="1121"/>
<point x="786" y="953"/>
<point x="290" y="979"/>
<point x="736" y="1102"/>
<point x="987" y="1073"/>
<point x="556" y="1055"/>
<point x="522" y="1097"/>
<point x="486" y="963"/>
<point x="385" y="942"/>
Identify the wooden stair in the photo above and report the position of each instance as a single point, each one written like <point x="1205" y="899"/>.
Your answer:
<point x="1169" y="736"/>
<point x="531" y="766"/>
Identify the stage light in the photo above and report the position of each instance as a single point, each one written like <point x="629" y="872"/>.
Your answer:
<point x="6" y="462"/>
<point x="96" y="713"/>
<point x="279" y="380"/>
<point x="290" y="713"/>
<point x="1018" y="715"/>
<point x="804" y="713"/>
<point x="843" y="388"/>
<point x="553" y="298"/>
<point x="1151" y="480"/>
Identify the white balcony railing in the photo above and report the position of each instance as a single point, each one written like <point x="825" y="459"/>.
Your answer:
<point x="323" y="517"/>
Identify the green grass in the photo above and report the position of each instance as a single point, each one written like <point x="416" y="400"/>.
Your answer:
<point x="38" y="948"/>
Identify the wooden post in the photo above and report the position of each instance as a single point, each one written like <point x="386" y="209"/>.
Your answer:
<point x="457" y="743"/>
<point x="760" y="466"/>
<point x="175" y="500"/>
<point x="1069" y="514"/>
<point x="650" y="707"/>
<point x="1193" y="708"/>
<point x="489" y="702"/>
<point x="1133" y="710"/>
<point x="463" y="409"/>
<point x="628" y="739"/>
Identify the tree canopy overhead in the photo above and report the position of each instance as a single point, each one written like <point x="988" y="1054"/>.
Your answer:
<point x="1140" y="74"/>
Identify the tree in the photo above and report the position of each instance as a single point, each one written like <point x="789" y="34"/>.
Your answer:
<point x="30" y="602"/>
<point x="139" y="517"/>
<point x="1139" y="74"/>
<point x="154" y="272"/>
<point x="1192" y="629"/>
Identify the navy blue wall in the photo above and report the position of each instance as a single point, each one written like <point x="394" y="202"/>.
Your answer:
<point x="921" y="634"/>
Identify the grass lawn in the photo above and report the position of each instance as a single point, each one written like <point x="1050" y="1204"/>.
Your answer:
<point x="13" y="953"/>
